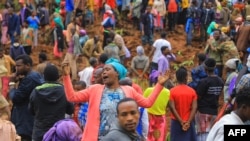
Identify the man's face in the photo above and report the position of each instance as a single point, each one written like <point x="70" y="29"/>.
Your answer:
<point x="21" y="69"/>
<point x="167" y="51"/>
<point x="128" y="115"/>
<point x="216" y="35"/>
<point x="209" y="5"/>
<point x="148" y="10"/>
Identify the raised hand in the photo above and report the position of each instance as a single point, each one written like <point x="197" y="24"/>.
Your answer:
<point x="163" y="78"/>
<point x="65" y="69"/>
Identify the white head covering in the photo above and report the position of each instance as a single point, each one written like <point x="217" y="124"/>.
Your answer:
<point x="231" y="63"/>
<point x="140" y="50"/>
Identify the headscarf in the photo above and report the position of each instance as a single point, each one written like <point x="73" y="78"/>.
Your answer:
<point x="58" y="21"/>
<point x="231" y="63"/>
<point x="140" y="50"/>
<point x="212" y="27"/>
<point x="121" y="70"/>
<point x="83" y="32"/>
<point x="63" y="130"/>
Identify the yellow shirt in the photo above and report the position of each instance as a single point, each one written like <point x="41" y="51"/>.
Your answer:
<point x="159" y="107"/>
<point x="184" y="3"/>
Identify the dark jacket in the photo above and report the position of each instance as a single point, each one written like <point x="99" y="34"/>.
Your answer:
<point x="16" y="51"/>
<point x="49" y="104"/>
<point x="21" y="116"/>
<point x="117" y="132"/>
<point x="147" y="20"/>
<point x="14" y="24"/>
<point x="207" y="16"/>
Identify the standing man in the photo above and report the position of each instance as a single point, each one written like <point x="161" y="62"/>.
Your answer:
<point x="128" y="118"/>
<point x="156" y="50"/>
<point x="212" y="44"/>
<point x="48" y="103"/>
<point x="19" y="94"/>
<point x="14" y="26"/>
<point x="183" y="105"/>
<point x="208" y="91"/>
<point x="164" y="60"/>
<point x="147" y="26"/>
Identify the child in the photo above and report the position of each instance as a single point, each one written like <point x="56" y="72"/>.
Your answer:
<point x="27" y="38"/>
<point x="16" y="49"/>
<point x="80" y="109"/>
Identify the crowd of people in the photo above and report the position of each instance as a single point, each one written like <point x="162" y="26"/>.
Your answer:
<point x="108" y="100"/>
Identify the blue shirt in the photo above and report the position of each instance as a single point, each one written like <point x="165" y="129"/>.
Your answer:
<point x="109" y="101"/>
<point x="69" y="5"/>
<point x="33" y="22"/>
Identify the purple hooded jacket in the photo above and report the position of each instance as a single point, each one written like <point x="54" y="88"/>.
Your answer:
<point x="64" y="130"/>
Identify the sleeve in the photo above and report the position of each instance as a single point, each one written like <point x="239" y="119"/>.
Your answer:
<point x="201" y="88"/>
<point x="146" y="66"/>
<point x="145" y="124"/>
<point x="22" y="93"/>
<point x="171" y="57"/>
<point x="12" y="62"/>
<point x="3" y="102"/>
<point x="241" y="83"/>
<point x="85" y="48"/>
<point x="31" y="103"/>
<point x="216" y="134"/>
<point x="99" y="49"/>
<point x="147" y="102"/>
<point x="37" y="20"/>
<point x="160" y="66"/>
<point x="18" y="28"/>
<point x="72" y="96"/>
<point x="22" y="50"/>
<point x="133" y="64"/>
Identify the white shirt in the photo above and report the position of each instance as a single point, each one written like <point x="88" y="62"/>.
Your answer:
<point x="157" y="45"/>
<point x="86" y="74"/>
<point x="217" y="131"/>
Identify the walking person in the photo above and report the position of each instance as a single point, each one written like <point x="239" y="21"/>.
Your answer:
<point x="34" y="23"/>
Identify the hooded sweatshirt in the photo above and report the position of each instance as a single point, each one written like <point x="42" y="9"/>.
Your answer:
<point x="117" y="132"/>
<point x="49" y="104"/>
